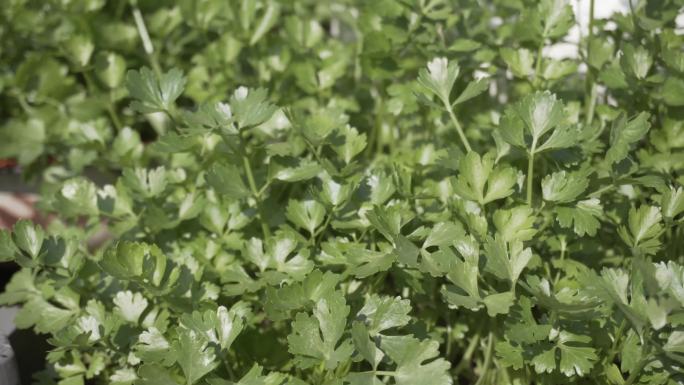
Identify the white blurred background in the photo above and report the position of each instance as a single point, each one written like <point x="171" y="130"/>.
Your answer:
<point x="602" y="9"/>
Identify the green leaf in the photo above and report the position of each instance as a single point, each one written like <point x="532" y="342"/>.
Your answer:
<point x="268" y="20"/>
<point x="472" y="90"/>
<point x="302" y="170"/>
<point x="360" y="261"/>
<point x="77" y="197"/>
<point x="643" y="229"/>
<point x="515" y="224"/>
<point x="476" y="172"/>
<point x="675" y="342"/>
<point x="44" y="316"/>
<point x="155" y="375"/>
<point x="574" y="359"/>
<point x="279" y="258"/>
<point x="672" y="202"/>
<point x="254" y="376"/>
<point x="443" y="234"/>
<point x="227" y="180"/>
<point x="144" y="264"/>
<point x="281" y="301"/>
<point x="542" y="117"/>
<point x="110" y="68"/>
<point x="464" y="275"/>
<point x="624" y="134"/>
<point x="381" y="313"/>
<point x="521" y="326"/>
<point x="152" y="346"/>
<point x="364" y="345"/>
<point x="407" y="252"/>
<point x="613" y="285"/>
<point x="149" y="183"/>
<point x="320" y="124"/>
<point x="307" y="214"/>
<point x="220" y="326"/>
<point x="506" y="261"/>
<point x="439" y="78"/>
<point x="563" y="187"/>
<point x="7" y="249"/>
<point x="194" y="356"/>
<point x="410" y="354"/>
<point x="541" y="113"/>
<point x="556" y="16"/>
<point x="28" y="238"/>
<point x="129" y="305"/>
<point x="79" y="49"/>
<point x="251" y="107"/>
<point x="125" y="376"/>
<point x="334" y="193"/>
<point x="499" y="303"/>
<point x="154" y="93"/>
<point x="583" y="218"/>
<point x="636" y="61"/>
<point x="520" y="61"/>
<point x="509" y="355"/>
<point x="381" y="187"/>
<point x="673" y="92"/>
<point x="213" y="116"/>
<point x="558" y="69"/>
<point x="349" y="144"/>
<point x="316" y="339"/>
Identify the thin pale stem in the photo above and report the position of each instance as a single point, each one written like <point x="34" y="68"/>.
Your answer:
<point x="590" y="88"/>
<point x="601" y="190"/>
<point x="459" y="129"/>
<point x="634" y="375"/>
<point x="146" y="41"/>
<point x="255" y="192"/>
<point x="384" y="373"/>
<point x="448" y="335"/>
<point x="487" y="359"/>
<point x="112" y="112"/>
<point x="465" y="360"/>
<point x="537" y="67"/>
<point x="530" y="177"/>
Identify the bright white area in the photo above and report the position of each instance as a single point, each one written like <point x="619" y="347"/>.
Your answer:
<point x="602" y="9"/>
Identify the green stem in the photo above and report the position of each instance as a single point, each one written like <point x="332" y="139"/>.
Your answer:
<point x="465" y="360"/>
<point x="384" y="373"/>
<point x="634" y="375"/>
<point x="112" y="112"/>
<point x="591" y="30"/>
<point x="145" y="38"/>
<point x="488" y="358"/>
<point x="321" y="230"/>
<point x="461" y="134"/>
<point x="563" y="246"/>
<point x="257" y="197"/>
<point x="590" y="88"/>
<point x="448" y="335"/>
<point x="537" y="67"/>
<point x="374" y="137"/>
<point x="92" y="89"/>
<point x="530" y="175"/>
<point x="601" y="190"/>
<point x="263" y="188"/>
<point x="616" y="340"/>
<point x="23" y="103"/>
<point x="591" y="103"/>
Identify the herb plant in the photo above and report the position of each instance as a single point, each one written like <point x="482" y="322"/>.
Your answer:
<point x="347" y="192"/>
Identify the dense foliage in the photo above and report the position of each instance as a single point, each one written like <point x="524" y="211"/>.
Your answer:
<point x="347" y="192"/>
